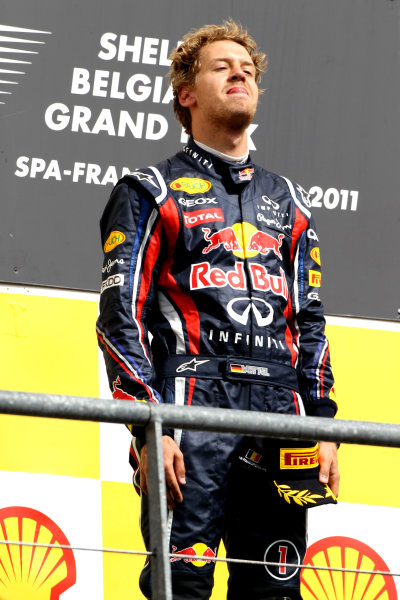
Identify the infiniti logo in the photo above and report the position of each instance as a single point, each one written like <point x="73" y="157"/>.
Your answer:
<point x="239" y="309"/>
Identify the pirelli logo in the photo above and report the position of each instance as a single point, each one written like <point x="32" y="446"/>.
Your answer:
<point x="299" y="458"/>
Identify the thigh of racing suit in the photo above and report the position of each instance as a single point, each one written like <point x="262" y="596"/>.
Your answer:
<point x="197" y="525"/>
<point x="260" y="527"/>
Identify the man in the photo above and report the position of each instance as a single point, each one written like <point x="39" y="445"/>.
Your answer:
<point x="218" y="259"/>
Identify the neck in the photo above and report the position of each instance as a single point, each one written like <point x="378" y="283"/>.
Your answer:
<point x="226" y="141"/>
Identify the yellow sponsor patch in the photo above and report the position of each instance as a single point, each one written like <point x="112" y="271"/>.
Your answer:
<point x="299" y="458"/>
<point x="315" y="255"/>
<point x="314" y="278"/>
<point x="191" y="185"/>
<point x="115" y="238"/>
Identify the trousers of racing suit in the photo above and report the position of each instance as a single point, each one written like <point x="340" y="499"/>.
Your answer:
<point x="227" y="497"/>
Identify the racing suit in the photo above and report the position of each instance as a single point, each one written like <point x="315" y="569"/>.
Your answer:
<point x="220" y="263"/>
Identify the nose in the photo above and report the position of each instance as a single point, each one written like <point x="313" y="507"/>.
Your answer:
<point x="237" y="73"/>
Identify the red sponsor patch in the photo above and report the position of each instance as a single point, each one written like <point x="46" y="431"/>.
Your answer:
<point x="198" y="217"/>
<point x="246" y="174"/>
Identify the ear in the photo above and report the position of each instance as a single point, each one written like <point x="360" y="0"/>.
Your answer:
<point x="186" y="96"/>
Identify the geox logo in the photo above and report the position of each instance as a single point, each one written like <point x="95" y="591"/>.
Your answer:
<point x="8" y="55"/>
<point x="299" y="458"/>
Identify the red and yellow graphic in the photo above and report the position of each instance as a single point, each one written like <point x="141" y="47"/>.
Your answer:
<point x="114" y="239"/>
<point x="246" y="174"/>
<point x="299" y="458"/>
<point x="244" y="240"/>
<point x="34" y="572"/>
<point x="315" y="255"/>
<point x="199" y="550"/>
<point x="191" y="185"/>
<point x="253" y="456"/>
<point x="314" y="278"/>
<point x="345" y="553"/>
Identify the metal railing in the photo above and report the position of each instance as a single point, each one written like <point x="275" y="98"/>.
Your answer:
<point x="154" y="417"/>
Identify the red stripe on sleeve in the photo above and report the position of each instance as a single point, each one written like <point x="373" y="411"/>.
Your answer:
<point x="183" y="301"/>
<point x="300" y="224"/>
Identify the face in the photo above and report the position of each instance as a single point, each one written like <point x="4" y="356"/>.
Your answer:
<point x="225" y="91"/>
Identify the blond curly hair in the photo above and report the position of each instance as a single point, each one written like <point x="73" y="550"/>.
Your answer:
<point x="186" y="59"/>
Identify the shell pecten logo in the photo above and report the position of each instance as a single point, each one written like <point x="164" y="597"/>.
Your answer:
<point x="29" y="571"/>
<point x="345" y="553"/>
<point x="191" y="185"/>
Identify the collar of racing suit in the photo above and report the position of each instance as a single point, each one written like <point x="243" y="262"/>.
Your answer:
<point x="206" y="162"/>
<point x="233" y="159"/>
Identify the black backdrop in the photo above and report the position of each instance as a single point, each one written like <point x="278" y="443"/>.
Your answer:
<point x="88" y="97"/>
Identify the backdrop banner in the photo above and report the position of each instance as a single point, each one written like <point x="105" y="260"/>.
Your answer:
<point x="84" y="99"/>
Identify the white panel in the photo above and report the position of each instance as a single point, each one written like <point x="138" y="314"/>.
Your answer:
<point x="74" y="504"/>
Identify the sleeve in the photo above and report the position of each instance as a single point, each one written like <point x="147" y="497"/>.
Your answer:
<point x="315" y="373"/>
<point x="131" y="239"/>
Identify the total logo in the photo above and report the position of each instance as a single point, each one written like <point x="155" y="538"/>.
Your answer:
<point x="244" y="240"/>
<point x="199" y="550"/>
<point x="198" y="217"/>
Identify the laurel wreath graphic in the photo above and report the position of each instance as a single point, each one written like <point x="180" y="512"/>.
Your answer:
<point x="300" y="497"/>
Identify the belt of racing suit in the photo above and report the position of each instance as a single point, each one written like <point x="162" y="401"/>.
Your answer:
<point x="231" y="368"/>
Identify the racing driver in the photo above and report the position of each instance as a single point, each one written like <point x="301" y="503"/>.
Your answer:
<point x="218" y="260"/>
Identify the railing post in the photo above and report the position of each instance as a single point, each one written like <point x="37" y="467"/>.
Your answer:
<point x="160" y="564"/>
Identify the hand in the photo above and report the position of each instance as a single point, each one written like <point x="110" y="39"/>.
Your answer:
<point x="174" y="467"/>
<point x="329" y="471"/>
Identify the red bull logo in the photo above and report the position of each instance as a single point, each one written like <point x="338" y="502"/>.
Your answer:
<point x="119" y="393"/>
<point x="263" y="242"/>
<point x="225" y="237"/>
<point x="201" y="553"/>
<point x="203" y="275"/>
<point x="244" y="240"/>
<point x="246" y="174"/>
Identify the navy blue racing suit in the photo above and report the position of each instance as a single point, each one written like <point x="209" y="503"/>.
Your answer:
<point x="210" y="297"/>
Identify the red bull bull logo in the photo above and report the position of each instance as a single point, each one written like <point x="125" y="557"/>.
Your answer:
<point x="263" y="242"/>
<point x="201" y="553"/>
<point x="119" y="393"/>
<point x="246" y="174"/>
<point x="244" y="240"/>
<point x="226" y="237"/>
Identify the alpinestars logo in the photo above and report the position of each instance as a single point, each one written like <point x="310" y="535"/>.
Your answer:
<point x="20" y="42"/>
<point x="191" y="365"/>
